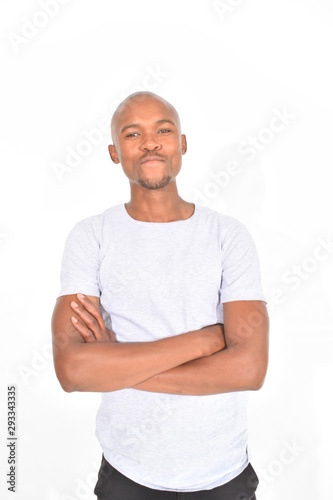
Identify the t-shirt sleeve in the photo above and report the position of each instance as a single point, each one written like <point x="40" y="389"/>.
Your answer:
<point x="241" y="278"/>
<point x="80" y="261"/>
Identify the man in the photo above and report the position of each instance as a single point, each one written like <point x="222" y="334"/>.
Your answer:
<point x="161" y="309"/>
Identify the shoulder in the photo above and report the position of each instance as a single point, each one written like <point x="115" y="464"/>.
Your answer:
<point x="227" y="225"/>
<point x="91" y="230"/>
<point x="95" y="223"/>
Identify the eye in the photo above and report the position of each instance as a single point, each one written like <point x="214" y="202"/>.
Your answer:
<point x="164" y="130"/>
<point x="132" y="134"/>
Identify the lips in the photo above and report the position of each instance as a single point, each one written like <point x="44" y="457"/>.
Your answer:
<point x="152" y="159"/>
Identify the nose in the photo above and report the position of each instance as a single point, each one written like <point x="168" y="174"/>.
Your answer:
<point x="150" y="143"/>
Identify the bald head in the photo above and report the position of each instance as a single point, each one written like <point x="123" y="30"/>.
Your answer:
<point x="128" y="107"/>
<point x="147" y="141"/>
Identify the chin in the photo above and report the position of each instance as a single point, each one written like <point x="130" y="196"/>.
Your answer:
<point x="154" y="184"/>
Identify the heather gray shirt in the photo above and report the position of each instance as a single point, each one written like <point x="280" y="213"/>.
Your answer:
<point x="157" y="280"/>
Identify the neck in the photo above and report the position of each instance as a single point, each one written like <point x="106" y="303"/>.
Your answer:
<point x="158" y="205"/>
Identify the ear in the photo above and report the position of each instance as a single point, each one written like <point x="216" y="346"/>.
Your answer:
<point x="184" y="144"/>
<point x="113" y="154"/>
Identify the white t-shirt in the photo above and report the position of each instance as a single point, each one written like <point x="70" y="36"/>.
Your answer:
<point x="158" y="280"/>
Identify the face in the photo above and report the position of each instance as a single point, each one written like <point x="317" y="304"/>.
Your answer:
<point x="148" y="143"/>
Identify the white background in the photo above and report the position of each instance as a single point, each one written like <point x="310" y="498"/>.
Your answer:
<point x="228" y="69"/>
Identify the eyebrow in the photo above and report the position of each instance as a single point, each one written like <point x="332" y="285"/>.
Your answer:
<point x="159" y="122"/>
<point x="166" y="121"/>
<point x="129" y="126"/>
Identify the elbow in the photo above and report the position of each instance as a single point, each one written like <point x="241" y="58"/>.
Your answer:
<point x="257" y="384"/>
<point x="67" y="374"/>
<point x="66" y="379"/>
<point x="67" y="384"/>
<point x="258" y="379"/>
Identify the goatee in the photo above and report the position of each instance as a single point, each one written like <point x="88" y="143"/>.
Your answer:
<point x="154" y="184"/>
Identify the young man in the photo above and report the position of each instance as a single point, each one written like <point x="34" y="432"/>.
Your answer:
<point x="172" y="327"/>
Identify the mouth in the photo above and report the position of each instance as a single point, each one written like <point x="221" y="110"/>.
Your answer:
<point x="152" y="160"/>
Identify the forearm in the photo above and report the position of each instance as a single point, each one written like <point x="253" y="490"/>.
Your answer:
<point x="230" y="370"/>
<point x="110" y="366"/>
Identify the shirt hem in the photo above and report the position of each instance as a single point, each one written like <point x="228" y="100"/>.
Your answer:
<point x="202" y="487"/>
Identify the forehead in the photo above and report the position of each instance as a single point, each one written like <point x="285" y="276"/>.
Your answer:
<point x="144" y="110"/>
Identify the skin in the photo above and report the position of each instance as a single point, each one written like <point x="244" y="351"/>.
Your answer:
<point x="149" y="145"/>
<point x="88" y="359"/>
<point x="154" y="194"/>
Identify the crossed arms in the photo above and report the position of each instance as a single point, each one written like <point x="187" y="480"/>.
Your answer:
<point x="212" y="360"/>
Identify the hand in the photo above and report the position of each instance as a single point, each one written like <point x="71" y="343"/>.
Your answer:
<point x="90" y="323"/>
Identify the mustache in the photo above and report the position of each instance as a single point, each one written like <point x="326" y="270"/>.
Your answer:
<point x="151" y="155"/>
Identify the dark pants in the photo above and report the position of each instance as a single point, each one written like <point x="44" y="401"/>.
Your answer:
<point x="112" y="485"/>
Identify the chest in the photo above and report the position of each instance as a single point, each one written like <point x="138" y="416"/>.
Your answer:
<point x="160" y="282"/>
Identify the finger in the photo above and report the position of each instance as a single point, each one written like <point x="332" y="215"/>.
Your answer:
<point x="112" y="336"/>
<point x="100" y="332"/>
<point x="91" y="308"/>
<point x="88" y="335"/>
<point x="88" y="319"/>
<point x="88" y="305"/>
<point x="83" y="330"/>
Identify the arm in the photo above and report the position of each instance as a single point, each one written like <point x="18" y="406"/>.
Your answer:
<point x="88" y="361"/>
<point x="240" y="367"/>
